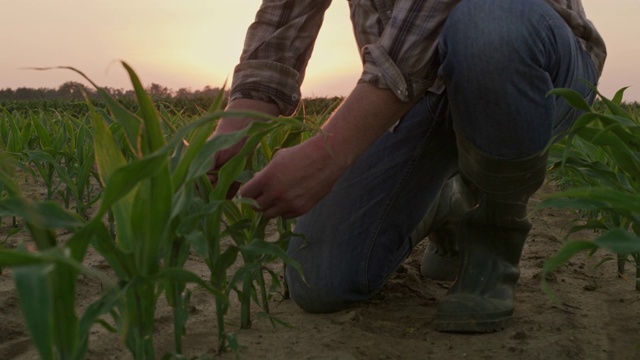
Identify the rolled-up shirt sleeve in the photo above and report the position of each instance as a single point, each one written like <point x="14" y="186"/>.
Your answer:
<point x="276" y="52"/>
<point x="398" y="42"/>
<point x="402" y="56"/>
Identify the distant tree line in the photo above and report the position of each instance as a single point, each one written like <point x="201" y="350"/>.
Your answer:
<point x="72" y="90"/>
<point x="69" y="97"/>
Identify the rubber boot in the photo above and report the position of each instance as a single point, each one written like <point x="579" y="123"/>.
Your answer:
<point x="441" y="260"/>
<point x="491" y="238"/>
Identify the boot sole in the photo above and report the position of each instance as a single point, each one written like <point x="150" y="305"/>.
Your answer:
<point x="473" y="323"/>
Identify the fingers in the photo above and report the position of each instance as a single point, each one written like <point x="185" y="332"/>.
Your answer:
<point x="277" y="209"/>
<point x="266" y="202"/>
<point x="220" y="158"/>
<point x="253" y="188"/>
<point x="272" y="207"/>
<point x="233" y="190"/>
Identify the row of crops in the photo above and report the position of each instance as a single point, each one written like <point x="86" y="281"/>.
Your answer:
<point x="131" y="183"/>
<point x="597" y="167"/>
<point x="133" y="186"/>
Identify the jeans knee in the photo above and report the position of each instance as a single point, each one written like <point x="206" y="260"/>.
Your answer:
<point x="314" y="299"/>
<point x="494" y="34"/>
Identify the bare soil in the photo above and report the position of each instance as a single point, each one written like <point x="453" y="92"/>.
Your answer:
<point x="597" y="316"/>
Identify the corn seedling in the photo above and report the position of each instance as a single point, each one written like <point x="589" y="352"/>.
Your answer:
<point x="598" y="166"/>
<point x="153" y="173"/>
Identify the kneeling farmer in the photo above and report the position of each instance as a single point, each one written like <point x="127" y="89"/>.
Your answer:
<point x="443" y="135"/>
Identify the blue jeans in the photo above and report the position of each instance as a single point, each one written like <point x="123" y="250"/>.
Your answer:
<point x="499" y="59"/>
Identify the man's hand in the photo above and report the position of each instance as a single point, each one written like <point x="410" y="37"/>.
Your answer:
<point x="295" y="180"/>
<point x="299" y="177"/>
<point x="228" y="125"/>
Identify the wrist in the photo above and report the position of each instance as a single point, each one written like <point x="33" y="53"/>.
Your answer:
<point x="327" y="152"/>
<point x="232" y="124"/>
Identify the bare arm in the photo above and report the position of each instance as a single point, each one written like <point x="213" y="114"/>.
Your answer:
<point x="299" y="177"/>
<point x="228" y="125"/>
<point x="363" y="117"/>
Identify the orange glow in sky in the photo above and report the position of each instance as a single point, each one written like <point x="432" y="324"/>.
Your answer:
<point x="196" y="43"/>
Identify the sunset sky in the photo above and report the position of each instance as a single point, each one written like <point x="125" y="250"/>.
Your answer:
<point x="197" y="42"/>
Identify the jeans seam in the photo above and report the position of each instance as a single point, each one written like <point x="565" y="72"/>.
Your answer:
<point x="394" y="195"/>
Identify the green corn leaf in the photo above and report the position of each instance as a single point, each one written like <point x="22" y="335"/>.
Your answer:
<point x="246" y="271"/>
<point x="619" y="241"/>
<point x="226" y="259"/>
<point x="18" y="258"/>
<point x="150" y="216"/>
<point x="36" y="302"/>
<point x="259" y="247"/>
<point x="61" y="138"/>
<point x="47" y="214"/>
<point x="126" y="178"/>
<point x="108" y="156"/>
<point x="165" y="120"/>
<point x="92" y="314"/>
<point x="183" y="276"/>
<point x="121" y="261"/>
<point x="620" y="131"/>
<point x="614" y="106"/>
<point x="65" y="326"/>
<point x="198" y="243"/>
<point x="570" y="249"/>
<point x="234" y="167"/>
<point x="13" y="142"/>
<point x="625" y="157"/>
<point x="598" y="197"/>
<point x="4" y="126"/>
<point x="109" y="159"/>
<point x="627" y="126"/>
<point x="190" y="222"/>
<point x="7" y="174"/>
<point x="25" y="135"/>
<point x="152" y="129"/>
<point x="617" y="98"/>
<point x="152" y="207"/>
<point x="13" y="258"/>
<point x="44" y="135"/>
<point x="204" y="158"/>
<point x="131" y="123"/>
<point x="266" y="149"/>
<point x="192" y="150"/>
<point x="217" y="102"/>
<point x="42" y="156"/>
<point x="572" y="97"/>
<point x="233" y="214"/>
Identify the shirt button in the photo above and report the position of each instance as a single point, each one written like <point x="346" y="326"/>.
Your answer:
<point x="294" y="97"/>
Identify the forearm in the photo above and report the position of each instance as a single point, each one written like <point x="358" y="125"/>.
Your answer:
<point x="361" y="119"/>
<point x="300" y="176"/>
<point x="234" y="124"/>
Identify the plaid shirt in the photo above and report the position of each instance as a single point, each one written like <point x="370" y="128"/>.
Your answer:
<point x="398" y="41"/>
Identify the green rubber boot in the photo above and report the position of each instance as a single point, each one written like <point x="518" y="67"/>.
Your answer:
<point x="441" y="260"/>
<point x="491" y="238"/>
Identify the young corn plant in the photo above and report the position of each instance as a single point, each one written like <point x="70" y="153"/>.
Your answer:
<point x="598" y="166"/>
<point x="45" y="277"/>
<point x="155" y="185"/>
<point x="214" y="217"/>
